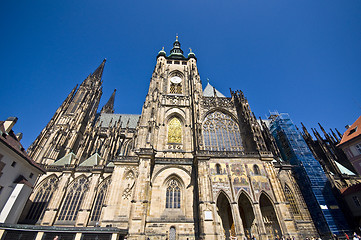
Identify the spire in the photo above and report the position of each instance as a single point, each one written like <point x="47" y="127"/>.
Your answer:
<point x="99" y="71"/>
<point x="176" y="51"/>
<point x="109" y="106"/>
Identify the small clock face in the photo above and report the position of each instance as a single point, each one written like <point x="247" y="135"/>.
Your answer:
<point x="176" y="80"/>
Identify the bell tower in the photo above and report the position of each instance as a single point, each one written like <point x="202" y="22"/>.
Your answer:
<point x="165" y="145"/>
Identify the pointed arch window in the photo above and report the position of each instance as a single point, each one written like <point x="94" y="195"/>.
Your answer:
<point x="221" y="133"/>
<point x="173" y="197"/>
<point x="291" y="199"/>
<point x="42" y="199"/>
<point x="175" y="131"/>
<point x="73" y="200"/>
<point x="99" y="201"/>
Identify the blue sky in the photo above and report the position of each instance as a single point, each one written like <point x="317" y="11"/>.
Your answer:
<point x="301" y="57"/>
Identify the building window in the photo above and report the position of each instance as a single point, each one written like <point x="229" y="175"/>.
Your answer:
<point x="221" y="133"/>
<point x="291" y="199"/>
<point x="175" y="131"/>
<point x="176" y="62"/>
<point x="176" y="88"/>
<point x="73" y="200"/>
<point x="42" y="199"/>
<point x="352" y="131"/>
<point x="358" y="147"/>
<point x="218" y="169"/>
<point x="256" y="170"/>
<point x="172" y="233"/>
<point x="173" y="195"/>
<point x="13" y="164"/>
<point x="99" y="201"/>
<point x="356" y="201"/>
<point x="169" y="62"/>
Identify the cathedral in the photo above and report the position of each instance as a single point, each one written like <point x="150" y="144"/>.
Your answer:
<point x="194" y="164"/>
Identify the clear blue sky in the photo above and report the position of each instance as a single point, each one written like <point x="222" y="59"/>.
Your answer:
<point x="301" y="57"/>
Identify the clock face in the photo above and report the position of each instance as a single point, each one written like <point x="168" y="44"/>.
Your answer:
<point x="176" y="80"/>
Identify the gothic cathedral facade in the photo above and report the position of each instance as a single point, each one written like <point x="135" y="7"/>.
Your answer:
<point x="194" y="165"/>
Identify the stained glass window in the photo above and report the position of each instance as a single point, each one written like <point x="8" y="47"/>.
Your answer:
<point x="175" y="131"/>
<point x="221" y="133"/>
<point x="42" y="198"/>
<point x="173" y="195"/>
<point x="73" y="200"/>
<point x="291" y="199"/>
<point x="99" y="201"/>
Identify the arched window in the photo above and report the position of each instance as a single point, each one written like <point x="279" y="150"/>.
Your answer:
<point x="42" y="198"/>
<point x="73" y="200"/>
<point x="291" y="199"/>
<point x="172" y="233"/>
<point x="256" y="170"/>
<point x="175" y="131"/>
<point x="173" y="195"/>
<point x="218" y="169"/>
<point x="221" y="133"/>
<point x="99" y="201"/>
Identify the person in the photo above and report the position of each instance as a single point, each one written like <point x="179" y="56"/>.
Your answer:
<point x="56" y="237"/>
<point x="355" y="237"/>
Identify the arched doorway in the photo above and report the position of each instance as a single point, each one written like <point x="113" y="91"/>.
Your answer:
<point x="225" y="213"/>
<point x="247" y="216"/>
<point x="271" y="224"/>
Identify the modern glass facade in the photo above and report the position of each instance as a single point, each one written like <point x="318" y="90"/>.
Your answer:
<point x="311" y="178"/>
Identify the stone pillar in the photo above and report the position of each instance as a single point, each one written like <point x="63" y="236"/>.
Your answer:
<point x="39" y="236"/>
<point x="89" y="198"/>
<point x="77" y="236"/>
<point x="259" y="221"/>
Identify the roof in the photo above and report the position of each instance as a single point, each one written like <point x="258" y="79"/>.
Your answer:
<point x="352" y="132"/>
<point x="344" y="170"/>
<point x="209" y="91"/>
<point x="110" y="119"/>
<point x="11" y="141"/>
<point x="352" y="189"/>
<point x="91" y="161"/>
<point x="64" y="160"/>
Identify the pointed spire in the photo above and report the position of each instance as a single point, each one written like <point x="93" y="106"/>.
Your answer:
<point x="109" y="106"/>
<point x="176" y="51"/>
<point x="99" y="71"/>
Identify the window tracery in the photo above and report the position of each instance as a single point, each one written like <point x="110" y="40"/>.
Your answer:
<point x="175" y="88"/>
<point x="256" y="170"/>
<point x="73" y="200"/>
<point x="173" y="195"/>
<point x="99" y="201"/>
<point x="291" y="199"/>
<point x="175" y="131"/>
<point x="172" y="233"/>
<point x="42" y="199"/>
<point x="221" y="133"/>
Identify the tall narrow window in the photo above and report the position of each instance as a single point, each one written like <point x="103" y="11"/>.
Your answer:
<point x="42" y="199"/>
<point x="173" y="195"/>
<point x="175" y="131"/>
<point x="221" y="133"/>
<point x="73" y="200"/>
<point x="218" y="169"/>
<point x="172" y="233"/>
<point x="256" y="170"/>
<point x="291" y="199"/>
<point x="99" y="201"/>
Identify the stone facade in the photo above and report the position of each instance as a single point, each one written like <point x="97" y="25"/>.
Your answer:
<point x="193" y="165"/>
